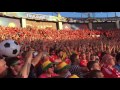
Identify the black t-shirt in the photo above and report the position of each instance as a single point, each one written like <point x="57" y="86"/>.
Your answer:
<point x="35" y="72"/>
<point x="32" y="73"/>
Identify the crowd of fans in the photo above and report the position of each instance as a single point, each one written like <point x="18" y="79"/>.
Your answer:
<point x="62" y="54"/>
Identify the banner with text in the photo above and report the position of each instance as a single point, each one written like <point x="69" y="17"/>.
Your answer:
<point x="41" y="25"/>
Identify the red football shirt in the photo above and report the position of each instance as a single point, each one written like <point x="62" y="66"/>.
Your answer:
<point x="110" y="73"/>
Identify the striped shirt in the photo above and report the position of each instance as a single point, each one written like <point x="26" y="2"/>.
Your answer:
<point x="76" y="69"/>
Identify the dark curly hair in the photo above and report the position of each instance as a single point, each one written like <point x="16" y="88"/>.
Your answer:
<point x="73" y="57"/>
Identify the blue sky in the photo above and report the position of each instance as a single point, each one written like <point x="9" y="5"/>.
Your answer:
<point x="75" y="14"/>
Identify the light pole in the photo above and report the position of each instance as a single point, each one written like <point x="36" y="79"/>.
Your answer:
<point x="107" y="14"/>
<point x="88" y="14"/>
<point x="93" y="14"/>
<point x="81" y="15"/>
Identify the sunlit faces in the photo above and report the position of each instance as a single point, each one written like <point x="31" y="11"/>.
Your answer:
<point x="18" y="65"/>
<point x="50" y="69"/>
<point x="92" y="58"/>
<point x="60" y="54"/>
<point x="96" y="66"/>
<point x="110" y="60"/>
<point x="83" y="56"/>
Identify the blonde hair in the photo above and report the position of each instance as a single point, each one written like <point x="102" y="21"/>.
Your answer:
<point x="105" y="58"/>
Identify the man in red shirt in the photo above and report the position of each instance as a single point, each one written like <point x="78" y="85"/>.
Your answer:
<point x="53" y="55"/>
<point x="83" y="61"/>
<point x="108" y="67"/>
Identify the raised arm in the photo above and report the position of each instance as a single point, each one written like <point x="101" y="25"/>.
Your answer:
<point x="36" y="60"/>
<point x="26" y="68"/>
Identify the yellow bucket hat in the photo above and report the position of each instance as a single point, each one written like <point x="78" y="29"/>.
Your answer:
<point x="47" y="64"/>
<point x="74" y="76"/>
<point x="62" y="66"/>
